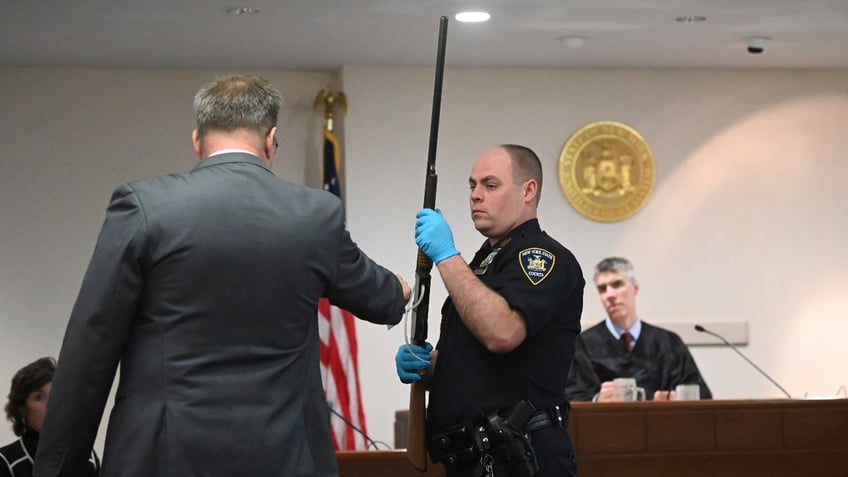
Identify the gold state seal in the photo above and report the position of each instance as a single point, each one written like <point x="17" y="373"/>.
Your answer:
<point x="606" y="171"/>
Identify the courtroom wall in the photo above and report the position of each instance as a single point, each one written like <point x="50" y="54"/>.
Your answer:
<point x="746" y="222"/>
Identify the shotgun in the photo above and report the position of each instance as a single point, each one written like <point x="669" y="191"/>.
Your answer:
<point x="416" y="448"/>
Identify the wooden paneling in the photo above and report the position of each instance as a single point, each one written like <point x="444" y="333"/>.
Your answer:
<point x="680" y="431"/>
<point x="744" y="438"/>
<point x="748" y="430"/>
<point x="784" y="438"/>
<point x="382" y="464"/>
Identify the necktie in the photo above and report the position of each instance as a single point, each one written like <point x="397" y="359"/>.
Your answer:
<point x="628" y="340"/>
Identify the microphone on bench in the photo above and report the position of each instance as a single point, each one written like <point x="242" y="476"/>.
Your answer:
<point x="734" y="348"/>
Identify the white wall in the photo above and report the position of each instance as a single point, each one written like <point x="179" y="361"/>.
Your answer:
<point x="746" y="221"/>
<point x="68" y="137"/>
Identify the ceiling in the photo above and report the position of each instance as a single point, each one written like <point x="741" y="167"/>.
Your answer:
<point x="326" y="34"/>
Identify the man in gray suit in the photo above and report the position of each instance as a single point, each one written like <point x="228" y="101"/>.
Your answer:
<point x="204" y="287"/>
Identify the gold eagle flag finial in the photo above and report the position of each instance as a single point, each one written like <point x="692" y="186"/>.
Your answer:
<point x="329" y="100"/>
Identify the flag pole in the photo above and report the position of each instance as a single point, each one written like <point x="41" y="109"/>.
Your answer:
<point x="332" y="170"/>
<point x="329" y="100"/>
<point x="340" y="371"/>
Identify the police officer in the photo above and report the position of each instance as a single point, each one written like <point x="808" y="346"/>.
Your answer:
<point x="507" y="331"/>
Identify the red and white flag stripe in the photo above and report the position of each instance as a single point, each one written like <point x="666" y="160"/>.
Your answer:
<point x="340" y="375"/>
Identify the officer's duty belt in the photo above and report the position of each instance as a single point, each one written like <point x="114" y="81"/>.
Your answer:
<point x="462" y="444"/>
<point x="553" y="416"/>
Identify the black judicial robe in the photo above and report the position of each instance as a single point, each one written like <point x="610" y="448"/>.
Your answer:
<point x="660" y="361"/>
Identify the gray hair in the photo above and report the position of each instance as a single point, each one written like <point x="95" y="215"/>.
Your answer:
<point x="615" y="265"/>
<point x="237" y="101"/>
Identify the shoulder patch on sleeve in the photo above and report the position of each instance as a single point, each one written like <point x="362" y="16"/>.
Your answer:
<point x="537" y="264"/>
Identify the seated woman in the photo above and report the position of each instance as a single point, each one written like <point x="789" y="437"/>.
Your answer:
<point x="25" y="409"/>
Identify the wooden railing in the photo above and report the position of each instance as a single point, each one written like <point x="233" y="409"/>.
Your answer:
<point x="712" y="438"/>
<point x="744" y="438"/>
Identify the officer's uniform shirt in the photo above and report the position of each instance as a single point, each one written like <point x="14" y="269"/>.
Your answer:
<point x="540" y="279"/>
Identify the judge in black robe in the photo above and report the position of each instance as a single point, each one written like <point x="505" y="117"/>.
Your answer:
<point x="657" y="358"/>
<point x="659" y="362"/>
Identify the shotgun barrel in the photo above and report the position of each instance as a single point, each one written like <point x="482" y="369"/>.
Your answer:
<point x="416" y="449"/>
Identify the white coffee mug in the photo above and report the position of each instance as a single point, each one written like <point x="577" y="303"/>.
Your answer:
<point x="625" y="389"/>
<point x="688" y="392"/>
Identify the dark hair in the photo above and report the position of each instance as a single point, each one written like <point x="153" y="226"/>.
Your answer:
<point x="525" y="165"/>
<point x="26" y="380"/>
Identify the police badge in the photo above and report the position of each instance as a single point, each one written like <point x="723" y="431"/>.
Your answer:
<point x="537" y="264"/>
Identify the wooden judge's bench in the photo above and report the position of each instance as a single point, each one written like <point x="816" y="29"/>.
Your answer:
<point x="745" y="438"/>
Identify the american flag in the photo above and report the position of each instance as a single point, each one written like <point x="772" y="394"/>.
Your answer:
<point x="339" y="364"/>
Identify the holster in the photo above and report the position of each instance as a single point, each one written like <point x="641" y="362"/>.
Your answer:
<point x="511" y="442"/>
<point x="503" y="437"/>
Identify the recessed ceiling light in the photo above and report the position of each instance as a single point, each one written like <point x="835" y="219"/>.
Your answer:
<point x="573" y="41"/>
<point x="472" y="17"/>
<point x="242" y="11"/>
<point x="692" y="19"/>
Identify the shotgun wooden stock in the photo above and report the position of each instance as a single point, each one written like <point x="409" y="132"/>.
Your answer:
<point x="416" y="446"/>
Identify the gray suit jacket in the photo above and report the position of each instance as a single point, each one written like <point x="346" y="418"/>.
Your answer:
<point x="204" y="287"/>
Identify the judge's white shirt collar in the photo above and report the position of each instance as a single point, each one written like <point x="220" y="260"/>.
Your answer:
<point x="634" y="330"/>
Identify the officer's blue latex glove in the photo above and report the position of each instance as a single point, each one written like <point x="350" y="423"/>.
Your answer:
<point x="433" y="235"/>
<point x="408" y="364"/>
